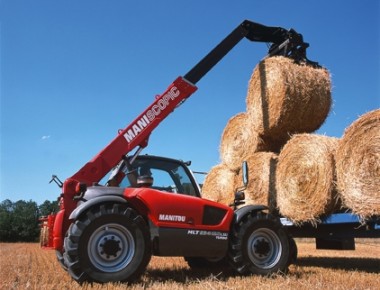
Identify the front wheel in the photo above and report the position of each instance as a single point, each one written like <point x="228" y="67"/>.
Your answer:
<point x="108" y="243"/>
<point x="61" y="260"/>
<point x="259" y="245"/>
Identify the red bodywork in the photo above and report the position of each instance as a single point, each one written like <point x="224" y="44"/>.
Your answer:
<point x="134" y="135"/>
<point x="165" y="209"/>
<point x="183" y="225"/>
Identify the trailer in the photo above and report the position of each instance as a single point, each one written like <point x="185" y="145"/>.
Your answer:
<point x="336" y="231"/>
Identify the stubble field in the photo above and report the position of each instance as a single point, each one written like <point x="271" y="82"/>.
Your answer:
<point x="26" y="266"/>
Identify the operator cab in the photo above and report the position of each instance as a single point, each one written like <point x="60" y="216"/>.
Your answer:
<point x="164" y="174"/>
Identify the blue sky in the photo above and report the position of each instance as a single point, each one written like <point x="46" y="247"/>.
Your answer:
<point x="74" y="72"/>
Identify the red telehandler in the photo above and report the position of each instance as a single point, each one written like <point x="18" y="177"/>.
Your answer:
<point x="152" y="205"/>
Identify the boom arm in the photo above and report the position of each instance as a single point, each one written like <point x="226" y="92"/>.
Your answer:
<point x="284" y="42"/>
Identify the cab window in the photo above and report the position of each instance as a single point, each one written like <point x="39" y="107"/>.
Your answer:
<point x="167" y="176"/>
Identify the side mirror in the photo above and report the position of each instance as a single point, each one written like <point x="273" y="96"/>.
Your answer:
<point x="245" y="174"/>
<point x="239" y="193"/>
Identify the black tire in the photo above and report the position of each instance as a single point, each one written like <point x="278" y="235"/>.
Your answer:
<point x="293" y="251"/>
<point x="61" y="260"/>
<point x="203" y="263"/>
<point x="259" y="245"/>
<point x="109" y="243"/>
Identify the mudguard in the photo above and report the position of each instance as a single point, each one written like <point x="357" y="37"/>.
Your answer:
<point x="57" y="230"/>
<point x="97" y="200"/>
<point x="241" y="212"/>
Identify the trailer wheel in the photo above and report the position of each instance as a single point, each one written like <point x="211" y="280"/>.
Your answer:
<point x="259" y="245"/>
<point x="108" y="243"/>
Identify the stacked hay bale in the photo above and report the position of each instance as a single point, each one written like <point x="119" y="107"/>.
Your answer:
<point x="261" y="188"/>
<point x="283" y="98"/>
<point x="291" y="169"/>
<point x="358" y="165"/>
<point x="305" y="178"/>
<point x="219" y="181"/>
<point x="239" y="140"/>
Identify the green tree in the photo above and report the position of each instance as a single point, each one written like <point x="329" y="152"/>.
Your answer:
<point x="19" y="221"/>
<point x="6" y="207"/>
<point x="48" y="207"/>
<point x="25" y="221"/>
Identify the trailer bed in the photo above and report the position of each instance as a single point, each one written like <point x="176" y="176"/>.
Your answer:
<point x="336" y="231"/>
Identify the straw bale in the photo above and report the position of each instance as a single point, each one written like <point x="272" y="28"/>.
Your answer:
<point x="285" y="98"/>
<point x="358" y="165"/>
<point x="305" y="177"/>
<point x="219" y="184"/>
<point x="239" y="140"/>
<point x="261" y="188"/>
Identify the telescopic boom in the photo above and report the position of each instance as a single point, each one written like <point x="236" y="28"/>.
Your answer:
<point x="284" y="42"/>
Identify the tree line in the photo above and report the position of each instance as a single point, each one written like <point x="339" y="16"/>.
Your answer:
<point x="19" y="220"/>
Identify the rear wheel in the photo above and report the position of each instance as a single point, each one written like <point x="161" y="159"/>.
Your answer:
<point x="259" y="245"/>
<point x="293" y="251"/>
<point x="108" y="243"/>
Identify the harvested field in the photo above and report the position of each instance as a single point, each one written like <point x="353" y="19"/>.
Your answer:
<point x="284" y="98"/>
<point x="26" y="266"/>
<point x="358" y="165"/>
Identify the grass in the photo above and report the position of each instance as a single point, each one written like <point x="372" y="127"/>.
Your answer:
<point x="26" y="266"/>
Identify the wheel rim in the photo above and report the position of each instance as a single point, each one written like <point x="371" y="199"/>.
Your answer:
<point x="111" y="248"/>
<point x="264" y="248"/>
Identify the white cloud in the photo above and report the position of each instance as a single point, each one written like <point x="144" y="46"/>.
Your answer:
<point x="45" y="137"/>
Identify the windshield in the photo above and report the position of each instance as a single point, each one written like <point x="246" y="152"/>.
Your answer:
<point x="167" y="175"/>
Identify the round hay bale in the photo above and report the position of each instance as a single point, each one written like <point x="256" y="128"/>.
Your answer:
<point x="219" y="184"/>
<point x="239" y="140"/>
<point x="305" y="178"/>
<point x="358" y="165"/>
<point x="261" y="188"/>
<point x="285" y="98"/>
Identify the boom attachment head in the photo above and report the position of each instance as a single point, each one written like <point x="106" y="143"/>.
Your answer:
<point x="293" y="47"/>
<point x="288" y="43"/>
